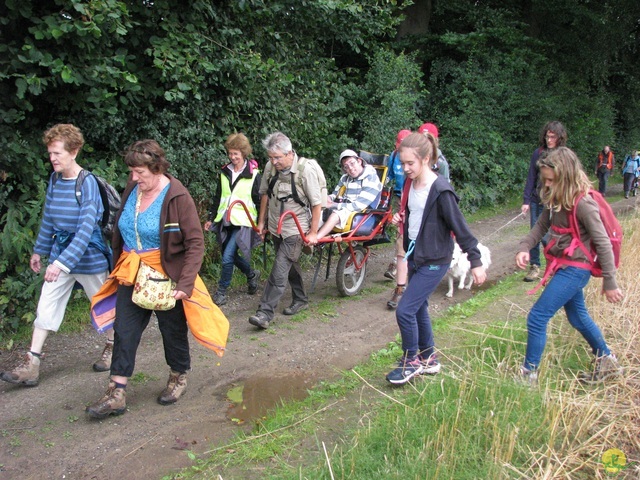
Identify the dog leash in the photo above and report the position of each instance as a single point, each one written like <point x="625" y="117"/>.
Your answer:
<point x="412" y="243"/>
<point x="505" y="225"/>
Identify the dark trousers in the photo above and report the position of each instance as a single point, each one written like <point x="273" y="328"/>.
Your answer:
<point x="603" y="178"/>
<point x="535" y="209"/>
<point x="285" y="269"/>
<point x="131" y="320"/>
<point x="413" y="310"/>
<point x="628" y="182"/>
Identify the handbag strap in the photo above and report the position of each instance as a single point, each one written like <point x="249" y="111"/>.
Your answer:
<point x="135" y="220"/>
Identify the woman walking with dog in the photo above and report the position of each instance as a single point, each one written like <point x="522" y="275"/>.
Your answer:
<point x="565" y="188"/>
<point x="428" y="214"/>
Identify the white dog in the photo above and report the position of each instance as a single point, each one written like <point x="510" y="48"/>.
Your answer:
<point x="460" y="267"/>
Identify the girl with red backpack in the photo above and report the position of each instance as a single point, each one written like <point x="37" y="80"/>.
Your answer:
<point x="565" y="191"/>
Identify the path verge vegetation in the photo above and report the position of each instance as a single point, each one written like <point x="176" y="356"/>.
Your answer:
<point x="473" y="420"/>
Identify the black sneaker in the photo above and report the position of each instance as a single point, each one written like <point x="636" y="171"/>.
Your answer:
<point x="407" y="369"/>
<point x="259" y="320"/>
<point x="252" y="282"/>
<point x="220" y="298"/>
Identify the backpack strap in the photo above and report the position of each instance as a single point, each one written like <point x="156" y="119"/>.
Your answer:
<point x="79" y="181"/>
<point x="294" y="191"/>
<point x="553" y="262"/>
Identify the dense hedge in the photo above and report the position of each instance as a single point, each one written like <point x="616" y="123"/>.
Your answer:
<point x="331" y="74"/>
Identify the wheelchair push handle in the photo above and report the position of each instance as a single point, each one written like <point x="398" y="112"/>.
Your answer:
<point x="246" y="210"/>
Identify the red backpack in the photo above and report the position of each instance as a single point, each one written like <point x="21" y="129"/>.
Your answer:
<point x="611" y="226"/>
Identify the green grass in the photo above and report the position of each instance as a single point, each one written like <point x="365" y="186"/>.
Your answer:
<point x="473" y="420"/>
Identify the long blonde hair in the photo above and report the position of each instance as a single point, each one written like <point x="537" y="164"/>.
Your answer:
<point x="570" y="179"/>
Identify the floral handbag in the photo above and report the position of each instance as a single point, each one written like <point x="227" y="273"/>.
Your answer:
<point x="152" y="289"/>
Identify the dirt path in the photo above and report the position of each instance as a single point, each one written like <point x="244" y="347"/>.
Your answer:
<point x="44" y="433"/>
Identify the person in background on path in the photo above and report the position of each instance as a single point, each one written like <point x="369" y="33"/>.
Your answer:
<point x="275" y="199"/>
<point x="157" y="224"/>
<point x="239" y="180"/>
<point x="604" y="168"/>
<point x="563" y="180"/>
<point x="630" y="171"/>
<point x="552" y="135"/>
<point x="71" y="238"/>
<point x="358" y="188"/>
<point x="441" y="166"/>
<point x="395" y="175"/>
<point x="428" y="215"/>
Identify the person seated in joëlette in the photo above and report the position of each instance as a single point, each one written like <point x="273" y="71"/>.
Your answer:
<point x="357" y="189"/>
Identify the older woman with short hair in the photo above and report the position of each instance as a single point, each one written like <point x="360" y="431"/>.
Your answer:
<point x="239" y="180"/>
<point x="71" y="239"/>
<point x="159" y="222"/>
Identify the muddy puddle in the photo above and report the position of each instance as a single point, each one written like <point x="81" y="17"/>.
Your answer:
<point x="253" y="397"/>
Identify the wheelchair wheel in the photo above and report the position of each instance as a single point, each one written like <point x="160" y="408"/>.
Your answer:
<point x="349" y="280"/>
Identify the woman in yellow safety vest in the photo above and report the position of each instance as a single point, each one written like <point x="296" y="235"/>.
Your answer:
<point x="239" y="180"/>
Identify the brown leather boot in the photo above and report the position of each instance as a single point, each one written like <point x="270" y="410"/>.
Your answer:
<point x="104" y="364"/>
<point x="391" y="272"/>
<point x="113" y="402"/>
<point x="27" y="373"/>
<point x="395" y="298"/>
<point x="176" y="385"/>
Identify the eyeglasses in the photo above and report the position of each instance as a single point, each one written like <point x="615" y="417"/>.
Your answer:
<point x="277" y="158"/>
<point x="350" y="165"/>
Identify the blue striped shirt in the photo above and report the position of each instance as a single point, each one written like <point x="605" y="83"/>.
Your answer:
<point x="360" y="192"/>
<point x="62" y="213"/>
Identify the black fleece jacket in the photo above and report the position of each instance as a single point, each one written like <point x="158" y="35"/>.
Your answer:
<point x="441" y="217"/>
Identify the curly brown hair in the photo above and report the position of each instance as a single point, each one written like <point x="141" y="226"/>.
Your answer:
<point x="557" y="128"/>
<point x="68" y="134"/>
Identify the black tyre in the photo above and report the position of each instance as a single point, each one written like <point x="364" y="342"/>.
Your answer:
<point x="349" y="280"/>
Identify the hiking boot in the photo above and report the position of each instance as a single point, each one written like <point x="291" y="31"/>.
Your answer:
<point x="533" y="275"/>
<point x="391" y="272"/>
<point x="295" y="307"/>
<point x="113" y="402"/>
<point x="259" y="320"/>
<point x="220" y="297"/>
<point x="527" y="377"/>
<point x="407" y="369"/>
<point x="104" y="364"/>
<point x="27" y="373"/>
<point x="430" y="365"/>
<point x="395" y="298"/>
<point x="604" y="367"/>
<point x="176" y="385"/>
<point x="252" y="282"/>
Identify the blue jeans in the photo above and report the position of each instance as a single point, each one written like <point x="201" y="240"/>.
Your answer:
<point x="563" y="290"/>
<point x="535" y="209"/>
<point x="230" y="257"/>
<point x="412" y="313"/>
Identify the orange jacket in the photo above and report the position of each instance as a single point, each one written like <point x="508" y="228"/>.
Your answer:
<point x="601" y="161"/>
<point x="206" y="321"/>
